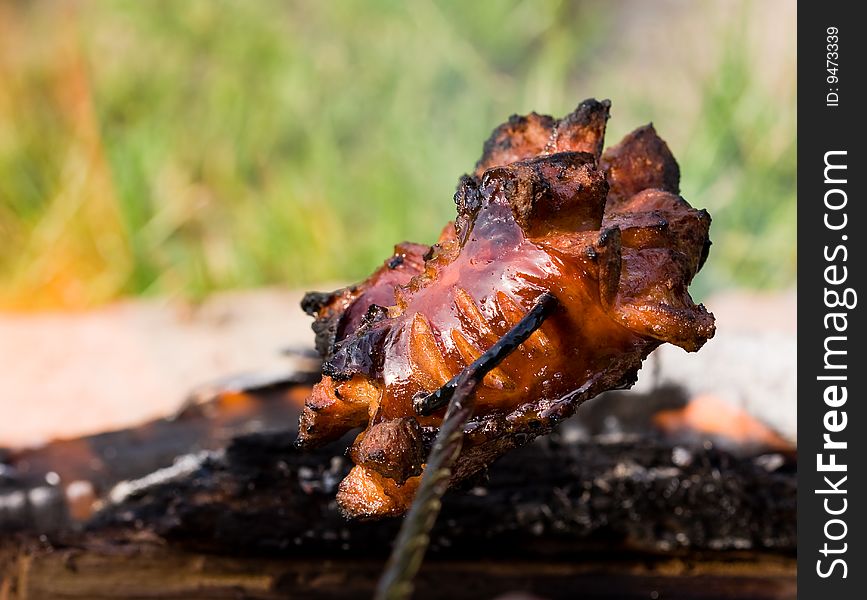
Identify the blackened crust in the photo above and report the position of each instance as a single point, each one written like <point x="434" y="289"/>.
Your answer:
<point x="641" y="161"/>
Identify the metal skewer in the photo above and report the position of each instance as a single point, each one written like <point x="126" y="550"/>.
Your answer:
<point x="414" y="536"/>
<point x="543" y="307"/>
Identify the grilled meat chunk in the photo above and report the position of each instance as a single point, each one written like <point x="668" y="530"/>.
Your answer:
<point x="545" y="211"/>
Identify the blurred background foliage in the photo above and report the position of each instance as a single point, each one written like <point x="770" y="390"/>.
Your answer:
<point x="175" y="148"/>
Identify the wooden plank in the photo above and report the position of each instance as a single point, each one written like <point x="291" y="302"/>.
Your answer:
<point x="152" y="571"/>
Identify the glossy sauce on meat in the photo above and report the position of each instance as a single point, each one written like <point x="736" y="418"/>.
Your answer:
<point x="545" y="211"/>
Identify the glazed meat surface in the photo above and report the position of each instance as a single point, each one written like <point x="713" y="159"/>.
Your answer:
<point x="544" y="211"/>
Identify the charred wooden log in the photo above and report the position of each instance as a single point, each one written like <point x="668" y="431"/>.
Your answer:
<point x="608" y="514"/>
<point x="264" y="495"/>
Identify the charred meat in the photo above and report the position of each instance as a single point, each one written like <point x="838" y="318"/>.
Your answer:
<point x="545" y="211"/>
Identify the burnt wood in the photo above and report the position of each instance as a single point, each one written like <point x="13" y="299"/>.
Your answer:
<point x="263" y="495"/>
<point x="579" y="513"/>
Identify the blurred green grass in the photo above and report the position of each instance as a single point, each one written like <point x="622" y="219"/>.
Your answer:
<point x="178" y="148"/>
